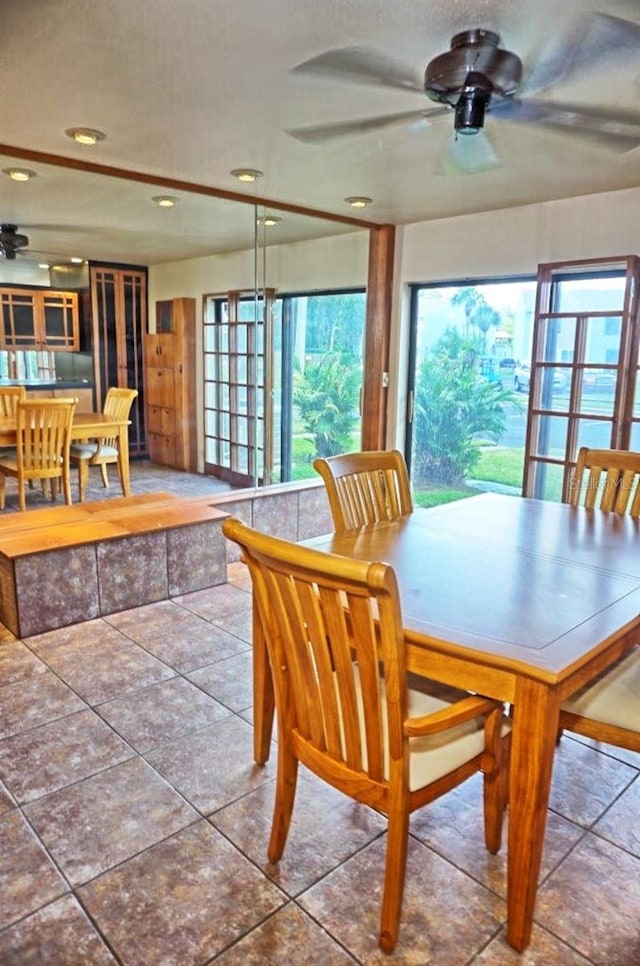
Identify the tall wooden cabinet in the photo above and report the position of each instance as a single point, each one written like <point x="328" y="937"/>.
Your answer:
<point x="170" y="385"/>
<point x="119" y="322"/>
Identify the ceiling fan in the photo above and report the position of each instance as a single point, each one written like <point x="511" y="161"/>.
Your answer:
<point x="11" y="242"/>
<point x="477" y="77"/>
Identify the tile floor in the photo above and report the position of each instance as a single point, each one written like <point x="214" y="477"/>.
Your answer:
<point x="134" y="824"/>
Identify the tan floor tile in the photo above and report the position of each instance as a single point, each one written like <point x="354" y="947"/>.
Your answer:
<point x="592" y="901"/>
<point x="545" y="950"/>
<point x="106" y="819"/>
<point x="620" y="823"/>
<point x="289" y="936"/>
<point x="214" y="602"/>
<point x="33" y="701"/>
<point x="239" y="624"/>
<point x="229" y="681"/>
<point x="17" y="662"/>
<point x="326" y="828"/>
<point x="180" y="902"/>
<point x="453" y="826"/>
<point x="28" y="878"/>
<point x="446" y="917"/>
<point x="102" y="665"/>
<point x="584" y="782"/>
<point x="161" y="713"/>
<point x="57" y="754"/>
<point x="58" y="934"/>
<point x="212" y="767"/>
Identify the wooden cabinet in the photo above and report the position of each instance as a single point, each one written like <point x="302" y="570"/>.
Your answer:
<point x="119" y="321"/>
<point x="169" y="357"/>
<point x="39" y="319"/>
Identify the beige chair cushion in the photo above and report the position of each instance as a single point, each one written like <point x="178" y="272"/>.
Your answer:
<point x="84" y="451"/>
<point x="614" y="697"/>
<point x="433" y="756"/>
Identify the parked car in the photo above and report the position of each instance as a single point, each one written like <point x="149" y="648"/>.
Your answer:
<point x="594" y="380"/>
<point x="522" y="378"/>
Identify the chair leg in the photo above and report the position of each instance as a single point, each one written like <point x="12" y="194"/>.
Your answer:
<point x="285" y="796"/>
<point x="105" y="475"/>
<point x="496" y="794"/>
<point x="3" y="494"/>
<point x="22" y="498"/>
<point x="394" y="874"/>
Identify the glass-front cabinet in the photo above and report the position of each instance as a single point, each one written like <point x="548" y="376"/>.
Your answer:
<point x="583" y="369"/>
<point x="39" y="319"/>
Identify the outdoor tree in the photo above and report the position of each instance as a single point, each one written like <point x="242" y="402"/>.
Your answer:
<point x="454" y="408"/>
<point x="326" y="394"/>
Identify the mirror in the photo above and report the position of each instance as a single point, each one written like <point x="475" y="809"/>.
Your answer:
<point x="282" y="266"/>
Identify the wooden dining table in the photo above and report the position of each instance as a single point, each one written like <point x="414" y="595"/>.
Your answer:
<point x="518" y="599"/>
<point x="87" y="427"/>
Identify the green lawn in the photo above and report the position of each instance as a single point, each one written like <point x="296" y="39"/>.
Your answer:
<point x="500" y="464"/>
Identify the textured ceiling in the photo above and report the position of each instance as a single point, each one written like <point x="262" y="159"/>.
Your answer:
<point x="190" y="89"/>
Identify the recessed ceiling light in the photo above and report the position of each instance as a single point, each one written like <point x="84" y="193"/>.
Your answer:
<point x="246" y="174"/>
<point x="19" y="174"/>
<point x="269" y="221"/>
<point x="85" y="135"/>
<point x="165" y="201"/>
<point x="44" y="265"/>
<point x="359" y="202"/>
<point x="76" y="261"/>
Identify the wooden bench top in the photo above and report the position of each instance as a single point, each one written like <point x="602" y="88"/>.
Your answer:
<point x="62" y="527"/>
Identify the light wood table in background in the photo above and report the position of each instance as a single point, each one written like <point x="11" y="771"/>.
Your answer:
<point x="521" y="600"/>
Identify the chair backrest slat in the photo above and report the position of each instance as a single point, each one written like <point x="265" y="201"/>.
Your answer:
<point x="607" y="480"/>
<point x="331" y="624"/>
<point x="43" y="437"/>
<point x="118" y="403"/>
<point x="365" y="487"/>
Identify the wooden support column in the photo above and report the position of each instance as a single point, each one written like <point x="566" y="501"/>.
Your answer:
<point x="377" y="337"/>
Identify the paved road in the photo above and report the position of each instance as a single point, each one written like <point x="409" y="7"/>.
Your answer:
<point x="594" y="434"/>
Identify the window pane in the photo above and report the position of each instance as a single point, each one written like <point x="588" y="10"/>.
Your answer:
<point x="549" y="436"/>
<point x="603" y="340"/>
<point x="548" y="479"/>
<point x="558" y="339"/>
<point x="593" y="433"/>
<point x="555" y="386"/>
<point x="590" y="294"/>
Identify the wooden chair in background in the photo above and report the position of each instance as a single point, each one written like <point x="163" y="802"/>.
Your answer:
<point x="102" y="452"/>
<point x="606" y="479"/>
<point x="335" y="641"/>
<point x="42" y="447"/>
<point x="365" y="487"/>
<point x="608" y="709"/>
<point x="10" y="396"/>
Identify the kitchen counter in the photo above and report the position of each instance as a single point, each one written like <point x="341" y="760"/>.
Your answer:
<point x="49" y="384"/>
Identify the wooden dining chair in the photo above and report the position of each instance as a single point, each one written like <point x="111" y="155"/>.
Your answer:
<point x="365" y="487"/>
<point x="334" y="636"/>
<point x="606" y="479"/>
<point x="608" y="709"/>
<point x="42" y="447"/>
<point x="102" y="452"/>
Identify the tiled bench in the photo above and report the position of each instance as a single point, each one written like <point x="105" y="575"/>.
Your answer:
<point x="66" y="564"/>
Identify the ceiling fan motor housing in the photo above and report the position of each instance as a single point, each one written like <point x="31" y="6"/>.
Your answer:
<point x="11" y="241"/>
<point x="473" y="52"/>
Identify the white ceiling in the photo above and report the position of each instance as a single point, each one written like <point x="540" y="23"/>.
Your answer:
<point x="190" y="89"/>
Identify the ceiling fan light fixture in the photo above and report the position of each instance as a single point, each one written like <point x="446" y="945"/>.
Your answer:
<point x="359" y="201"/>
<point x="165" y="201"/>
<point x="85" y="135"/>
<point x="470" y="111"/>
<point x="19" y="174"/>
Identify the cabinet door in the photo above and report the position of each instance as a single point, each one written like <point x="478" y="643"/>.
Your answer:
<point x="18" y="319"/>
<point x="119" y="312"/>
<point x="160" y="388"/>
<point x="59" y="320"/>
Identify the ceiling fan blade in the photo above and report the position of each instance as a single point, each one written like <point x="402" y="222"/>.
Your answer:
<point x="469" y="154"/>
<point x="317" y="133"/>
<point x="361" y="65"/>
<point x="615" y="128"/>
<point x="597" y="41"/>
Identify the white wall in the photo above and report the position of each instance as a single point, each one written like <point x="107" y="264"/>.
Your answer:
<point x="512" y="241"/>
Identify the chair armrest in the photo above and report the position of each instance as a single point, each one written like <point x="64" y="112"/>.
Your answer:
<point x="455" y="714"/>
